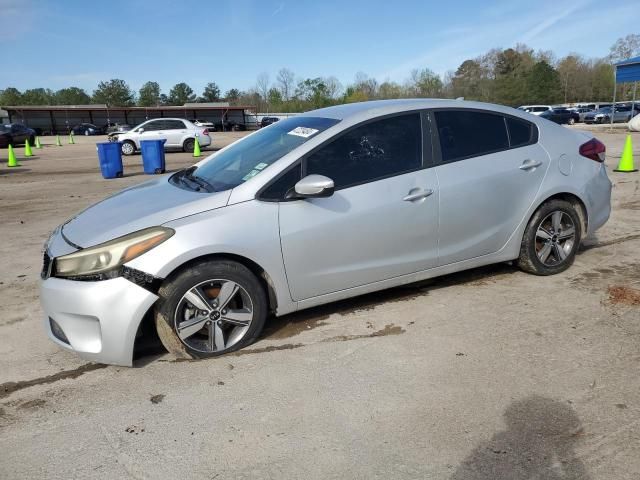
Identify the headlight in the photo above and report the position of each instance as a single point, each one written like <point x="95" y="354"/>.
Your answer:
<point x="112" y="254"/>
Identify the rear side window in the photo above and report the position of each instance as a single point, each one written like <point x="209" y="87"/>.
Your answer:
<point x="521" y="133"/>
<point x="173" y="125"/>
<point x="468" y="133"/>
<point x="379" y="149"/>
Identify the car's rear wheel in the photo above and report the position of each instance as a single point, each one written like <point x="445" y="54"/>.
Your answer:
<point x="209" y="309"/>
<point x="572" y="121"/>
<point x="128" y="147"/>
<point x="551" y="239"/>
<point x="188" y="145"/>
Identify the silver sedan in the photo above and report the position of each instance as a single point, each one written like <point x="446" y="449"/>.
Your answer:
<point x="316" y="208"/>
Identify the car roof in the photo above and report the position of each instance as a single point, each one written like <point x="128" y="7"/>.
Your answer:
<point x="376" y="108"/>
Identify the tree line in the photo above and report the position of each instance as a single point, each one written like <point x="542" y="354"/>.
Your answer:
<point x="512" y="76"/>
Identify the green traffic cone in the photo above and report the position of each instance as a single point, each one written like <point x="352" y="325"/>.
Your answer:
<point x="71" y="142"/>
<point x="12" y="158"/>
<point x="38" y="144"/>
<point x="196" y="148"/>
<point x="27" y="149"/>
<point x="58" y="142"/>
<point x="626" y="160"/>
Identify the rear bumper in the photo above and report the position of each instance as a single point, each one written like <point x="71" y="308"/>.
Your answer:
<point x="99" y="319"/>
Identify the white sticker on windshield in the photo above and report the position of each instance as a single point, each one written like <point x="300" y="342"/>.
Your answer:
<point x="261" y="166"/>
<point x="251" y="174"/>
<point x="303" y="132"/>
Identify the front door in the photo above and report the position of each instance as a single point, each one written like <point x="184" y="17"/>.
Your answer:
<point x="382" y="220"/>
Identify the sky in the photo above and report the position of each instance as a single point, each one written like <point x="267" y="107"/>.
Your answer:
<point x="56" y="44"/>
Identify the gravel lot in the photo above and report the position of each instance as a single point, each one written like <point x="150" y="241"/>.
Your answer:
<point x="487" y="374"/>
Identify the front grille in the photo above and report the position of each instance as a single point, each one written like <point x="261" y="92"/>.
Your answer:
<point x="46" y="266"/>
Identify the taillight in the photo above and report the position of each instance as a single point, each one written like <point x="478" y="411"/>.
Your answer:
<point x="205" y="132"/>
<point x="593" y="149"/>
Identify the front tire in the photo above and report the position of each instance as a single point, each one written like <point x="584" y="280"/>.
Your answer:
<point x="572" y="121"/>
<point x="551" y="239"/>
<point x="209" y="309"/>
<point x="128" y="147"/>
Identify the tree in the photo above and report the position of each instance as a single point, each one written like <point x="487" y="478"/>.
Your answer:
<point x="262" y="86"/>
<point x="274" y="97"/>
<point x="543" y="84"/>
<point x="38" y="96"/>
<point x="211" y="93"/>
<point x="10" y="96"/>
<point x="314" y="92"/>
<point x="625" y="47"/>
<point x="285" y="81"/>
<point x="72" y="96"/>
<point x="180" y="94"/>
<point x="390" y="90"/>
<point x="114" y="93"/>
<point x="232" y="95"/>
<point x="149" y="95"/>
<point x="425" y="83"/>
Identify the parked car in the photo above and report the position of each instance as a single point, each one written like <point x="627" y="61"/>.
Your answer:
<point x="320" y="207"/>
<point x="177" y="132"/>
<point x="16" y="134"/>
<point x="581" y="111"/>
<point x="560" y="115"/>
<point x="536" y="109"/>
<point x="87" y="129"/>
<point x="266" y="121"/>
<point x="603" y="115"/>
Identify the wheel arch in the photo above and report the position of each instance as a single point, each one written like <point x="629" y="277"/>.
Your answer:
<point x="572" y="198"/>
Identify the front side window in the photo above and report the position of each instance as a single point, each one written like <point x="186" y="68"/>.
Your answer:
<point x="376" y="150"/>
<point x="152" y="126"/>
<point x="469" y="133"/>
<point x="254" y="154"/>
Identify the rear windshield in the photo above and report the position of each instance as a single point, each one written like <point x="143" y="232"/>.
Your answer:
<point x="252" y="155"/>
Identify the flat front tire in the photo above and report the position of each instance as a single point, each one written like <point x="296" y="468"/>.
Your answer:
<point x="551" y="239"/>
<point x="209" y="309"/>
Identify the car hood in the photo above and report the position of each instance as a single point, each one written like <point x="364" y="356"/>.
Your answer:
<point x="146" y="205"/>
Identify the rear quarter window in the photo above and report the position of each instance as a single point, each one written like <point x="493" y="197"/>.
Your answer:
<point x="521" y="132"/>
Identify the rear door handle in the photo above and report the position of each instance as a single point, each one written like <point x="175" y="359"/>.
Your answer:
<point x="417" y="195"/>
<point x="530" y="164"/>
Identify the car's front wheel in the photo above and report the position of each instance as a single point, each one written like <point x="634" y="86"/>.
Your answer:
<point x="551" y="239"/>
<point x="128" y="147"/>
<point x="572" y="121"/>
<point x="209" y="309"/>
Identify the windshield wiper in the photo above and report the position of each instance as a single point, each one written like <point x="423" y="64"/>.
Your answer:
<point x="201" y="182"/>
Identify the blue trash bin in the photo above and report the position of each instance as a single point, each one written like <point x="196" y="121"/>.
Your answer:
<point x="152" y="156"/>
<point x="110" y="157"/>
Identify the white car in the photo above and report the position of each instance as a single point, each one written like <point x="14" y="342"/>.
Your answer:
<point x="535" y="109"/>
<point x="177" y="132"/>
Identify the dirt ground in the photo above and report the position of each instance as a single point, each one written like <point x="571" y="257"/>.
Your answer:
<point x="487" y="374"/>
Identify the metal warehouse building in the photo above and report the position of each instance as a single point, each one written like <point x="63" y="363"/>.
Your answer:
<point x="60" y="118"/>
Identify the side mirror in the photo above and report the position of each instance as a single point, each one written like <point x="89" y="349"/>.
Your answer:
<point x="314" y="186"/>
<point x="140" y="130"/>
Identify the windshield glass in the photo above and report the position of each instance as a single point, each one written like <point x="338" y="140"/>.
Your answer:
<point x="5" y="128"/>
<point x="252" y="155"/>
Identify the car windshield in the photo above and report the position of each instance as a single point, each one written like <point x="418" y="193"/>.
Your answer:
<point x="253" y="154"/>
<point x="5" y="128"/>
<point x="605" y="110"/>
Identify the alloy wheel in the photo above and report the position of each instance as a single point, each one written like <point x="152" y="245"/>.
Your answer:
<point x="213" y="316"/>
<point x="555" y="238"/>
<point x="127" y="148"/>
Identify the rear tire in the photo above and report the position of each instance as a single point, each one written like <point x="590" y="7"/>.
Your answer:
<point x="551" y="239"/>
<point x="572" y="121"/>
<point x="189" y="145"/>
<point x="207" y="327"/>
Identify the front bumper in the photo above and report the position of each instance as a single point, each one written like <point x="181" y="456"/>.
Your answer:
<point x="99" y="319"/>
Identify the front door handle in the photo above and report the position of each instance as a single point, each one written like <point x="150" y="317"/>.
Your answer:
<point x="529" y="164"/>
<point x="417" y="194"/>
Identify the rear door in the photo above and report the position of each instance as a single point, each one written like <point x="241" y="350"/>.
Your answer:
<point x="490" y="169"/>
<point x="175" y="131"/>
